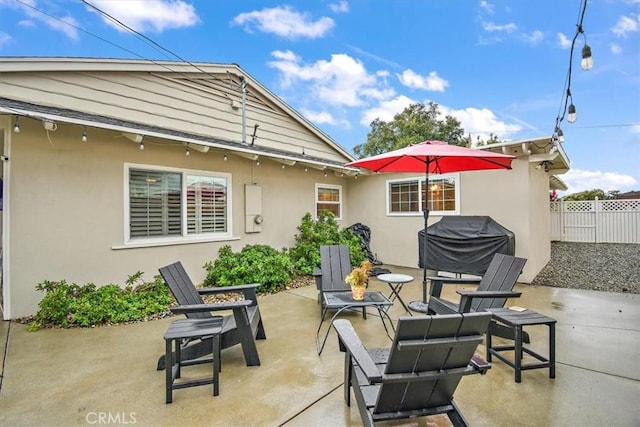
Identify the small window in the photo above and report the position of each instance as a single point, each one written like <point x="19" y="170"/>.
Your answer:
<point x="329" y="198"/>
<point x="175" y="204"/>
<point x="407" y="197"/>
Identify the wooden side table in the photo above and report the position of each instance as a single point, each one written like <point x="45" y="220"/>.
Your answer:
<point x="517" y="320"/>
<point x="184" y="329"/>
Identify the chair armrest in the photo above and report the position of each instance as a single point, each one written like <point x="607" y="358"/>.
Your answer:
<point x="481" y="365"/>
<point x="317" y="274"/>
<point x="466" y="297"/>
<point x="438" y="281"/>
<point x="248" y="291"/>
<point x="204" y="308"/>
<point x="349" y="338"/>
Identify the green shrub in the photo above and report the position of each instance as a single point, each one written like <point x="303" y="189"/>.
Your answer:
<point x="67" y="305"/>
<point x="253" y="264"/>
<point x="305" y="255"/>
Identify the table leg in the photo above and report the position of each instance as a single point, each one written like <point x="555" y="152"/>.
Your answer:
<point x="518" y="352"/>
<point x="552" y="350"/>
<point x="168" y="367"/>
<point x="395" y="295"/>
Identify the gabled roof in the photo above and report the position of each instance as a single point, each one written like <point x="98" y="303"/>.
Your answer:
<point x="203" y="82"/>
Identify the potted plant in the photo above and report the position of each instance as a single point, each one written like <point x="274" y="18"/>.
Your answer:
<point x="358" y="279"/>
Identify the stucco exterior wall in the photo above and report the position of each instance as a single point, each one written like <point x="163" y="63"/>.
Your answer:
<point x="517" y="199"/>
<point x="67" y="204"/>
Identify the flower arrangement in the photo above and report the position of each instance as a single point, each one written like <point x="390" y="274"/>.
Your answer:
<point x="358" y="279"/>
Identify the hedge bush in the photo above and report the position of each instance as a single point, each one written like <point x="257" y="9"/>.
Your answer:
<point x="305" y="255"/>
<point x="253" y="264"/>
<point x="67" y="305"/>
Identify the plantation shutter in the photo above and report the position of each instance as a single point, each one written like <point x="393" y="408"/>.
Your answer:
<point x="154" y="203"/>
<point x="206" y="204"/>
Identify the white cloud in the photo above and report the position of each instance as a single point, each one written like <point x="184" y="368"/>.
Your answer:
<point x="432" y="82"/>
<point x="626" y="25"/>
<point x="481" y="122"/>
<point x="340" y="7"/>
<point x="534" y="38"/>
<point x="563" y="41"/>
<point x="143" y="16"/>
<point x="487" y="7"/>
<point x="342" y="81"/>
<point x="582" y="180"/>
<point x="635" y="128"/>
<point x="4" y="38"/>
<point x="324" y="117"/>
<point x="284" y="22"/>
<point x="386" y="110"/>
<point x="65" y="24"/>
<point x="616" y="49"/>
<point x="491" y="27"/>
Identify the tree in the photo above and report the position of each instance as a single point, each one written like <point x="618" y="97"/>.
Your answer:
<point x="591" y="195"/>
<point x="416" y="123"/>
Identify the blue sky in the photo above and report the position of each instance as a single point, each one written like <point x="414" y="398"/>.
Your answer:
<point x="498" y="66"/>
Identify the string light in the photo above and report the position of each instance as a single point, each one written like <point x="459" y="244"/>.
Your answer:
<point x="225" y="157"/>
<point x="84" y="134"/>
<point x="306" y="169"/>
<point x="587" y="60"/>
<point x="282" y="166"/>
<point x="325" y="174"/>
<point x="16" y="126"/>
<point x="187" y="152"/>
<point x="567" y="107"/>
<point x="142" y="145"/>
<point x="571" y="118"/>
<point x="258" y="162"/>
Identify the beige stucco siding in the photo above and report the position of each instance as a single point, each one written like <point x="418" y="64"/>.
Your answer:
<point x="67" y="207"/>
<point x="504" y="195"/>
<point x="186" y="103"/>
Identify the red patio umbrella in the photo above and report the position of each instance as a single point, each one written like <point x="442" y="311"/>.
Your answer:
<point x="433" y="157"/>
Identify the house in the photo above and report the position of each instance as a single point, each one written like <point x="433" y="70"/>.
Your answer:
<point x="114" y="166"/>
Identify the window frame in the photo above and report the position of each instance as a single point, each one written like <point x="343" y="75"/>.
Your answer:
<point x="420" y="181"/>
<point x="184" y="236"/>
<point x="319" y="186"/>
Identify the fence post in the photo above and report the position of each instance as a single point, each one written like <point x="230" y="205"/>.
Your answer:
<point x="596" y="219"/>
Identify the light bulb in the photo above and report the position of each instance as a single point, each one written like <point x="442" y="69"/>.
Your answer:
<point x="84" y="134"/>
<point x="572" y="114"/>
<point x="325" y="174"/>
<point x="16" y="126"/>
<point x="187" y="152"/>
<point x="282" y="166"/>
<point x="587" y="59"/>
<point x="560" y="134"/>
<point x="258" y="162"/>
<point x="306" y="168"/>
<point x="141" y="145"/>
<point x="225" y="157"/>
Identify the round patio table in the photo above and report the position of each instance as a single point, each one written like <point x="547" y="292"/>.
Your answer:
<point x="396" y="282"/>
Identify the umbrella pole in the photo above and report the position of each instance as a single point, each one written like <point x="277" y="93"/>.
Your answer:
<point x="422" y="306"/>
<point x="426" y="219"/>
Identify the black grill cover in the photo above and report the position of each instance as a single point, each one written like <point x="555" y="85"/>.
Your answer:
<point x="464" y="244"/>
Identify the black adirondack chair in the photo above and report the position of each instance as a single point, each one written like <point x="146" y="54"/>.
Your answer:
<point x="493" y="290"/>
<point x="242" y="327"/>
<point x="419" y="374"/>
<point x="335" y="265"/>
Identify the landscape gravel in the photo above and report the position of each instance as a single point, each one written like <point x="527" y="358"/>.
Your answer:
<point x="608" y="267"/>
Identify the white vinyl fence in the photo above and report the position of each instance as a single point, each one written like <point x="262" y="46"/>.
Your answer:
<point x="599" y="221"/>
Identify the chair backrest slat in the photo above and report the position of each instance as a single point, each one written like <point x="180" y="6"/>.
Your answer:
<point x="502" y="275"/>
<point x="335" y="265"/>
<point x="463" y="332"/>
<point x="182" y="288"/>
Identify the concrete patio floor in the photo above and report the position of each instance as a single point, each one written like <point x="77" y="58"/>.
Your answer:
<point x="107" y="375"/>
